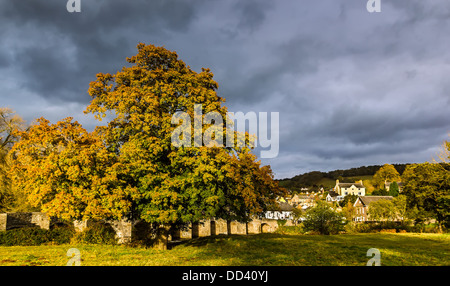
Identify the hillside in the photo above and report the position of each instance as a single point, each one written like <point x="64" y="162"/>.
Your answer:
<point x="327" y="180"/>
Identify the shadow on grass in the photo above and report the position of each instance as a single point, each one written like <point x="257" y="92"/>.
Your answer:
<point x="317" y="250"/>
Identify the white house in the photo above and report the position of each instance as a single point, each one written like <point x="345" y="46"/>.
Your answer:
<point x="333" y="197"/>
<point x="343" y="189"/>
<point x="285" y="212"/>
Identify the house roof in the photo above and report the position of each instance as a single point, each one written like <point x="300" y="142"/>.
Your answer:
<point x="303" y="197"/>
<point x="333" y="194"/>
<point x="285" y="207"/>
<point x="348" y="185"/>
<point x="366" y="200"/>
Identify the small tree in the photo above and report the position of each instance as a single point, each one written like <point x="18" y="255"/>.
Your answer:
<point x="444" y="154"/>
<point x="297" y="214"/>
<point x="381" y="210"/>
<point x="323" y="219"/>
<point x="349" y="211"/>
<point x="400" y="208"/>
<point x="384" y="174"/>
<point x="348" y="199"/>
<point x="393" y="189"/>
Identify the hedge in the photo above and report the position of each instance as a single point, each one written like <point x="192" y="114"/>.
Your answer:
<point x="36" y="236"/>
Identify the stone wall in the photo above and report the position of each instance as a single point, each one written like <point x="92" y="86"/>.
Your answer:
<point x="212" y="227"/>
<point x="19" y="220"/>
<point x="126" y="230"/>
<point x="3" y="221"/>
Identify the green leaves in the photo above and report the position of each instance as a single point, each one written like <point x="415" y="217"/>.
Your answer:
<point x="387" y="173"/>
<point x="428" y="187"/>
<point x="323" y="219"/>
<point x="130" y="167"/>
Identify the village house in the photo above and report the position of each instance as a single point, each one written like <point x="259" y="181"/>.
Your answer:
<point x="301" y="201"/>
<point x="343" y="189"/>
<point x="334" y="197"/>
<point x="362" y="205"/>
<point x="284" y="212"/>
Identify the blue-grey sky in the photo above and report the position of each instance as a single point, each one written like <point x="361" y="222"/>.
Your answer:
<point x="352" y="88"/>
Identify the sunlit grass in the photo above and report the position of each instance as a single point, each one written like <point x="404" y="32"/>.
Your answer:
<point x="252" y="250"/>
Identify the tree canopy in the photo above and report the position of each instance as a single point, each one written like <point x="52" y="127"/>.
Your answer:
<point x="129" y="167"/>
<point x="393" y="189"/>
<point x="427" y="187"/>
<point x="67" y="172"/>
<point x="387" y="173"/>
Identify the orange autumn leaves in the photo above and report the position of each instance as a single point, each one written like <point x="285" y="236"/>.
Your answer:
<point x="67" y="172"/>
<point x="130" y="167"/>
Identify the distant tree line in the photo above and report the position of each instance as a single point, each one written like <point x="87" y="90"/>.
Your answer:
<point x="313" y="179"/>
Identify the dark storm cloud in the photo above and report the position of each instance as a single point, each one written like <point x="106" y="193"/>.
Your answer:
<point x="352" y="88"/>
<point x="252" y="13"/>
<point x="60" y="53"/>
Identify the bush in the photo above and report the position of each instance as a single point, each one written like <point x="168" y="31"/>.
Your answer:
<point x="143" y="234"/>
<point x="393" y="227"/>
<point x="366" y="227"/>
<point x="98" y="233"/>
<point x="281" y="222"/>
<point x="428" y="228"/>
<point x="323" y="219"/>
<point x="36" y="236"/>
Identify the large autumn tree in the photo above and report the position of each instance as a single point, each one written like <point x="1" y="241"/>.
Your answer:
<point x="129" y="167"/>
<point x="176" y="184"/>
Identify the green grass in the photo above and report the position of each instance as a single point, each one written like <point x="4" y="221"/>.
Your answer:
<point x="253" y="250"/>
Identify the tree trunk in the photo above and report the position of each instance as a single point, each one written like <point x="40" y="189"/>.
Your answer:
<point x="162" y="237"/>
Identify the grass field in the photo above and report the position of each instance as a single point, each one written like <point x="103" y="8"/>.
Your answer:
<point x="254" y="250"/>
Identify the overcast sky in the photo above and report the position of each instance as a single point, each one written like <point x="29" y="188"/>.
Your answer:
<point x="352" y="88"/>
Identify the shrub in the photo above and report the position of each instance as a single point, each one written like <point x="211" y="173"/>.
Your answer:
<point x="98" y="233"/>
<point x="143" y="234"/>
<point x="281" y="222"/>
<point x="35" y="236"/>
<point x="366" y="227"/>
<point x="323" y="219"/>
<point x="428" y="228"/>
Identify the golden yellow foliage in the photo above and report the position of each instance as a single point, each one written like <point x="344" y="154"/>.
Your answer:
<point x="130" y="167"/>
<point x="65" y="171"/>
